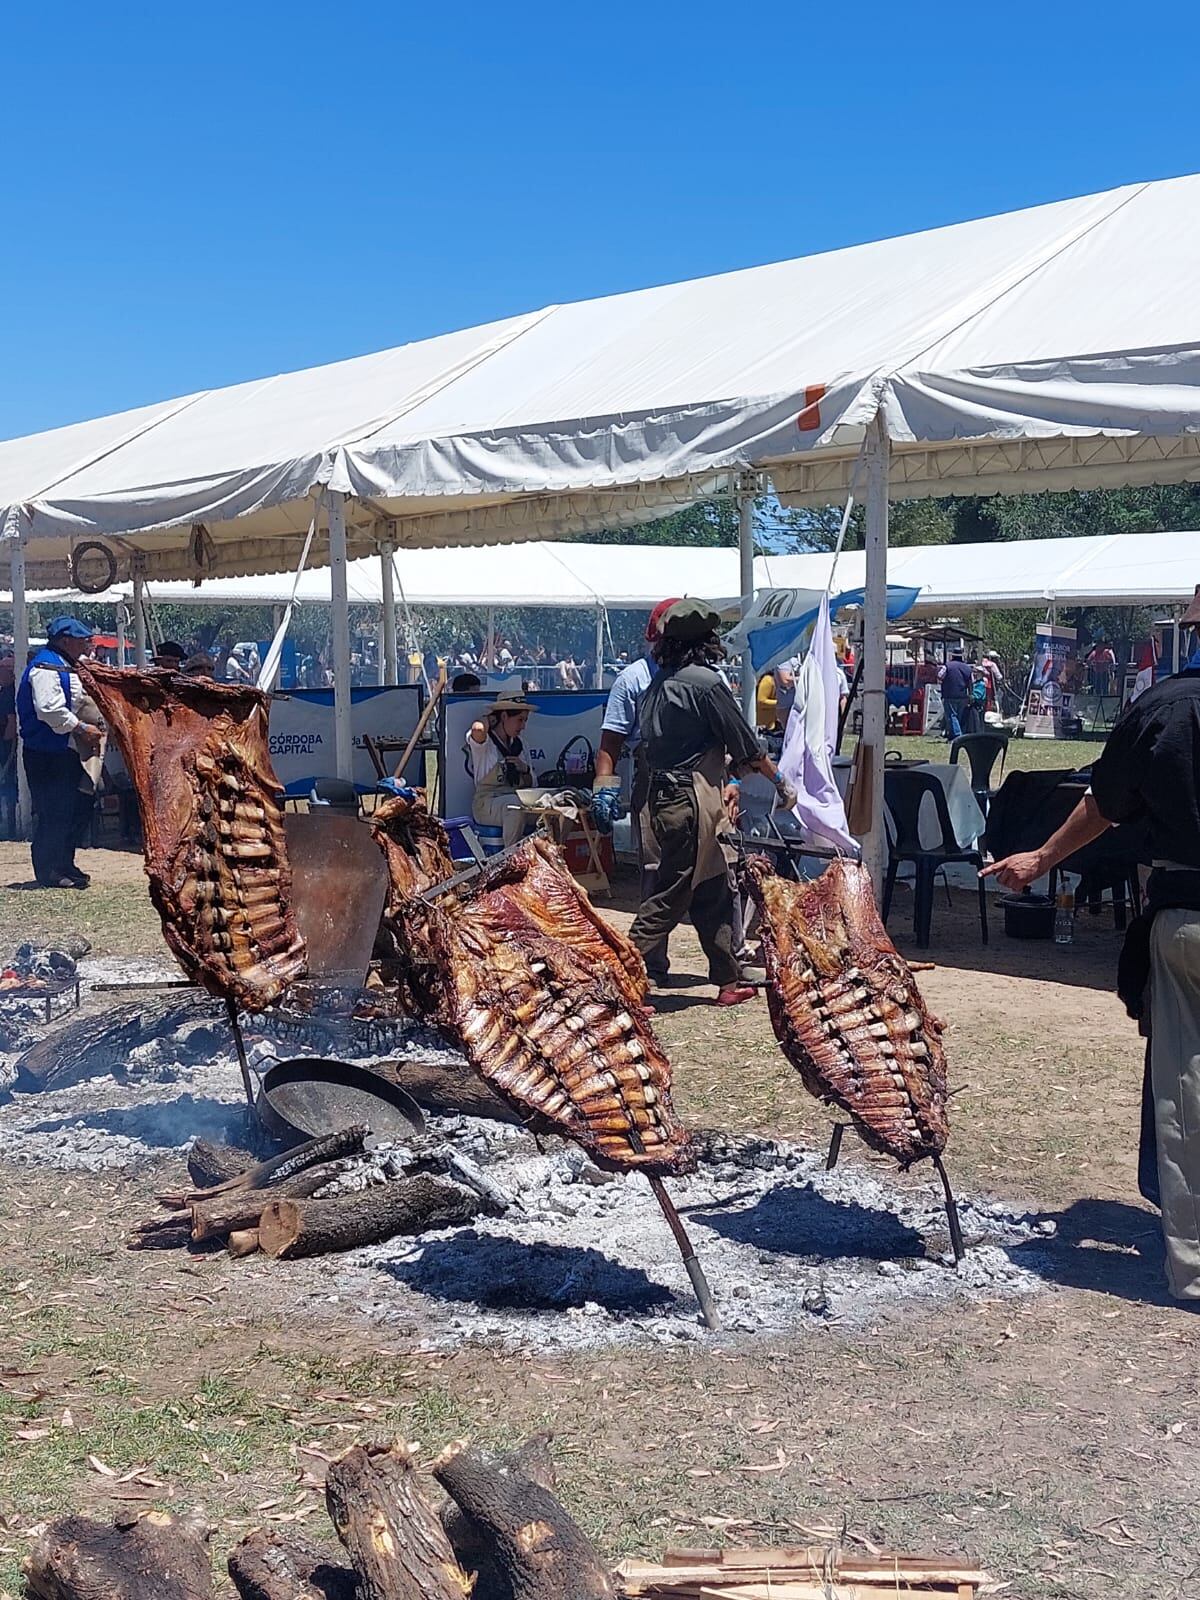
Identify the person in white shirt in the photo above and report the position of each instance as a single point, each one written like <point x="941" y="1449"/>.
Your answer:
<point x="52" y="736"/>
<point x="498" y="765"/>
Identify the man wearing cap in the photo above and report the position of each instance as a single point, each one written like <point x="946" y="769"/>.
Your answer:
<point x="956" y="678"/>
<point x="619" y="732"/>
<point x="1150" y="768"/>
<point x="171" y="655"/>
<point x="692" y="730"/>
<point x="51" y="736"/>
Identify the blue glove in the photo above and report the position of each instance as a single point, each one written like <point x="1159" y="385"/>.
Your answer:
<point x="606" y="807"/>
<point x="394" y="786"/>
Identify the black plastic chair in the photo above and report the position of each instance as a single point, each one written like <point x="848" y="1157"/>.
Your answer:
<point x="904" y="793"/>
<point x="338" y="794"/>
<point x="982" y="750"/>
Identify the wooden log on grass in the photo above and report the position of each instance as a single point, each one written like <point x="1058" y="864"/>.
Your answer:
<point x="395" y="1541"/>
<point x="271" y="1564"/>
<point x="540" y="1549"/>
<point x="290" y="1229"/>
<point x="243" y="1243"/>
<point x="472" y="1544"/>
<point x="132" y="1558"/>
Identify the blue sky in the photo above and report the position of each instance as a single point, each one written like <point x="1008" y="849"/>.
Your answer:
<point x="197" y="195"/>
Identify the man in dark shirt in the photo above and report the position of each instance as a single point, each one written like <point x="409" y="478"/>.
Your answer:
<point x="1150" y="768"/>
<point x="8" y="746"/>
<point x="691" y="729"/>
<point x="956" y="678"/>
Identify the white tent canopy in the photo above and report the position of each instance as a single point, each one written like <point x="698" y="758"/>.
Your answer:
<point x="1057" y="347"/>
<point x="1060" y="344"/>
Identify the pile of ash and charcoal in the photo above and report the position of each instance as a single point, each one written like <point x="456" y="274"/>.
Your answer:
<point x="473" y="1230"/>
<point x="470" y="1524"/>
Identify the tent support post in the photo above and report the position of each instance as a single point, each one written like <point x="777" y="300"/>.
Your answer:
<point x="122" y="641"/>
<point x="1175" y="642"/>
<point x="598" y="674"/>
<point x="489" y="645"/>
<point x="746" y="589"/>
<point x="20" y="612"/>
<point x="343" y="745"/>
<point x="139" y="619"/>
<point x="389" y="664"/>
<point x="874" y="725"/>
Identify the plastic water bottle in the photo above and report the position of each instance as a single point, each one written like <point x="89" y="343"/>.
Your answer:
<point x="1064" y="919"/>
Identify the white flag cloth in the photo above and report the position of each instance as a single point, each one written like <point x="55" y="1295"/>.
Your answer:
<point x="809" y="740"/>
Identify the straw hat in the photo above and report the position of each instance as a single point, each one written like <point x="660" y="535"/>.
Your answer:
<point x="509" y="702"/>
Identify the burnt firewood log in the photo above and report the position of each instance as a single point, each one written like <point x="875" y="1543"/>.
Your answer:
<point x="294" y="1228"/>
<point x="210" y="1164"/>
<point x="134" y="1557"/>
<point x="392" y="1534"/>
<point x="541" y="1551"/>
<point x="472" y="1544"/>
<point x="271" y="1564"/>
<point x="92" y="1045"/>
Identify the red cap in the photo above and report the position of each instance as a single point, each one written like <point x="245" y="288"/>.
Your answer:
<point x="654" y="626"/>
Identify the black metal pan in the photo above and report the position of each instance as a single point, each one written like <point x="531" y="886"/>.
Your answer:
<point x="307" y="1096"/>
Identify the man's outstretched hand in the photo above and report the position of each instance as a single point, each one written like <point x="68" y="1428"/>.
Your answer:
<point x="1016" y="872"/>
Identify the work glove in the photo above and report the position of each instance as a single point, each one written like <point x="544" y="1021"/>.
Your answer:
<point x="606" y="804"/>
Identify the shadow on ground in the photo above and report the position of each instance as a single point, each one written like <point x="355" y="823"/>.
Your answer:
<point x="1106" y="1246"/>
<point x="493" y="1271"/>
<point x="800" y="1221"/>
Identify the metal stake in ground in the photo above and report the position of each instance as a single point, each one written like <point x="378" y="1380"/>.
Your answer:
<point x="708" y="1307"/>
<point x="835" y="1145"/>
<point x="240" y="1044"/>
<point x="956" y="1238"/>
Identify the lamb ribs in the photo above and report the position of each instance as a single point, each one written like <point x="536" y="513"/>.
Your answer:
<point x="542" y="996"/>
<point x="212" y="825"/>
<point x="846" y="1008"/>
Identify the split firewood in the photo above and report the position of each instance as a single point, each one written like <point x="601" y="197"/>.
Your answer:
<point x="394" y="1538"/>
<point x="233" y="1209"/>
<point x="472" y="1544"/>
<point x="243" y="1242"/>
<point x="329" y="1147"/>
<point x="293" y="1228"/>
<point x="137" y="1555"/>
<point x="91" y="1045"/>
<point x="541" y="1551"/>
<point x="209" y="1164"/>
<point x="273" y="1565"/>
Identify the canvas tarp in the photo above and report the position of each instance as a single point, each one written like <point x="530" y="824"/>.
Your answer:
<point x="1053" y="347"/>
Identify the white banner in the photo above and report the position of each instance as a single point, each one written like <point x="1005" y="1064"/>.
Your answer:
<point x="556" y="719"/>
<point x="301" y="731"/>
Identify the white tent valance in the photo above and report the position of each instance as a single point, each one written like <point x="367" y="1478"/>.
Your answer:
<point x="1110" y="569"/>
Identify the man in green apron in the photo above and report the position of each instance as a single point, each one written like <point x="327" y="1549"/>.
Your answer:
<point x="693" y="737"/>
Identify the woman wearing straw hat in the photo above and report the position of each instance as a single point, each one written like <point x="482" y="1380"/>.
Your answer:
<point x="496" y="756"/>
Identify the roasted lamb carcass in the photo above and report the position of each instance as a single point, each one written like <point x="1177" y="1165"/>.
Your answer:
<point x="543" y="997"/>
<point x="212" y="825"/>
<point x="846" y="1008"/>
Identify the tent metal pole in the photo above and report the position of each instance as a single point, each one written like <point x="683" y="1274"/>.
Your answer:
<point x="489" y="648"/>
<point x="389" y="665"/>
<point x="20" y="612"/>
<point x="746" y="589"/>
<point x="1175" y="642"/>
<point x="874" y="727"/>
<point x="139" y="619"/>
<point x="343" y="746"/>
<point x="598" y="674"/>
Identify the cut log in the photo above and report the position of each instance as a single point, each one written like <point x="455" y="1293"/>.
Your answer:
<point x="472" y="1544"/>
<point x="130" y="1559"/>
<point x="397" y="1545"/>
<point x="273" y="1565"/>
<point x="210" y="1164"/>
<point x="244" y="1242"/>
<point x="329" y="1147"/>
<point x="89" y="1046"/>
<point x="161" y="1233"/>
<point x="448" y="1085"/>
<point x="294" y="1228"/>
<point x="542" y="1552"/>
<point x="234" y="1209"/>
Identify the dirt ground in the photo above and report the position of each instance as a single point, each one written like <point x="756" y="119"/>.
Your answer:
<point x="1053" y="1438"/>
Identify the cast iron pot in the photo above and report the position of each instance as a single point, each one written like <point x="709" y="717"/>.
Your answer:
<point x="308" y="1096"/>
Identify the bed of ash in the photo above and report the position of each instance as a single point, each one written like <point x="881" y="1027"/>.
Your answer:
<point x="577" y="1258"/>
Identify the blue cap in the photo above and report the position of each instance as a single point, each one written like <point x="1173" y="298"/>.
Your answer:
<point x="69" y="628"/>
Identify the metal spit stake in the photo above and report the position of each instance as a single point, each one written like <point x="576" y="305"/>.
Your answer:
<point x="956" y="1238"/>
<point x="240" y="1045"/>
<point x="708" y="1306"/>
